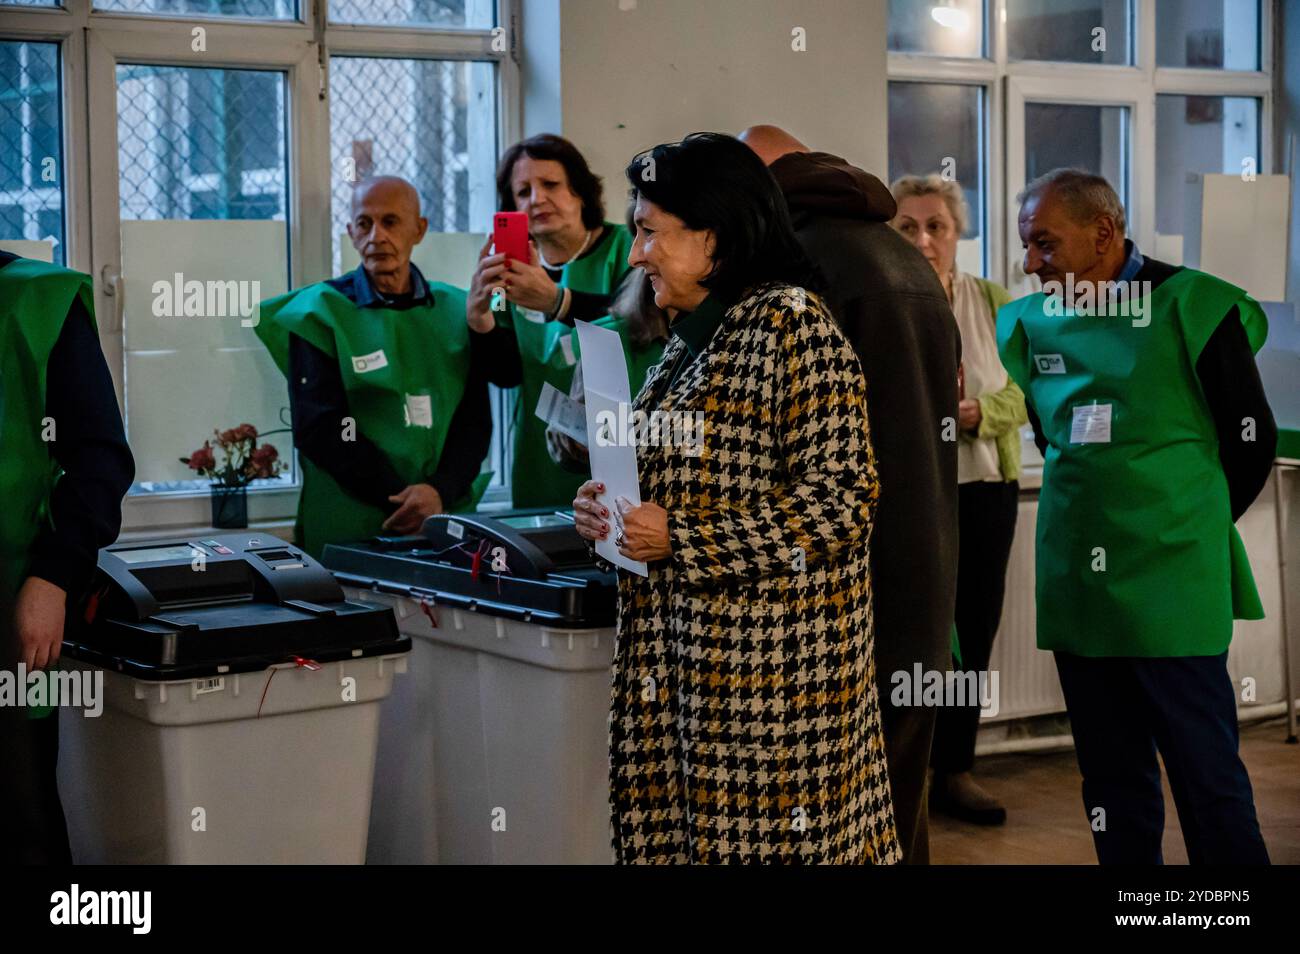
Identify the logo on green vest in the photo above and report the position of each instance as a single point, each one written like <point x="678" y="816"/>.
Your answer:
<point x="1049" y="363"/>
<point x="369" y="362"/>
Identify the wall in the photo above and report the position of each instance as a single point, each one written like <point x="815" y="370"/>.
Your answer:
<point x="634" y="73"/>
<point x="1287" y="124"/>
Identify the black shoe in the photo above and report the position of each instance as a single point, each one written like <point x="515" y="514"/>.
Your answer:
<point x="944" y="801"/>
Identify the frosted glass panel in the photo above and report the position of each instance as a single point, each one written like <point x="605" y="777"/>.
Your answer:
<point x="42" y="251"/>
<point x="193" y="360"/>
<point x="449" y="257"/>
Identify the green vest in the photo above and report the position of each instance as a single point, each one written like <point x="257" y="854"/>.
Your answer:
<point x="34" y="302"/>
<point x="548" y="351"/>
<point x="1137" y="554"/>
<point x="404" y="373"/>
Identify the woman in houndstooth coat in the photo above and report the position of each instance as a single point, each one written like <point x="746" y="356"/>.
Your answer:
<point x="744" y="724"/>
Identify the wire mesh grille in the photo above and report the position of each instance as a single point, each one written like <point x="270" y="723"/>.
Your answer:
<point x="31" y="162"/>
<point x="255" y="9"/>
<point x="423" y="120"/>
<point x="199" y="143"/>
<point x="437" y="13"/>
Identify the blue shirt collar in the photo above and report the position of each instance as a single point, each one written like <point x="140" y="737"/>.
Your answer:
<point x="367" y="297"/>
<point x="1132" y="264"/>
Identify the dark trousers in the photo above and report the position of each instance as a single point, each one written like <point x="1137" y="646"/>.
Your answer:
<point x="986" y="515"/>
<point x="1122" y="710"/>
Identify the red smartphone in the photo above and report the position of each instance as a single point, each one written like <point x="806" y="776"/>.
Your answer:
<point x="510" y="235"/>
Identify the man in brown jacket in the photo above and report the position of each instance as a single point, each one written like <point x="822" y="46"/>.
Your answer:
<point x="891" y="307"/>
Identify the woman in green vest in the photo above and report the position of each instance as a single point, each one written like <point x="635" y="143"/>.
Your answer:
<point x="579" y="260"/>
<point x="932" y="215"/>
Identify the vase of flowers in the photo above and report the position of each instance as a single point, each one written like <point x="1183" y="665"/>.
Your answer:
<point x="243" y="460"/>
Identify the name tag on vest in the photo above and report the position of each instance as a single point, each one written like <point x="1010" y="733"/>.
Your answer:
<point x="419" y="410"/>
<point x="1049" y="364"/>
<point x="363" y="363"/>
<point x="1091" y="424"/>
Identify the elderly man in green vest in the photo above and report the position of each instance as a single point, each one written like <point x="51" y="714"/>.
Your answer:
<point x="387" y="386"/>
<point x="1141" y="385"/>
<point x="64" y="469"/>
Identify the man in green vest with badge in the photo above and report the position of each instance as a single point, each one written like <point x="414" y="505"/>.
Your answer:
<point x="64" y="468"/>
<point x="387" y="386"/>
<point x="1142" y="389"/>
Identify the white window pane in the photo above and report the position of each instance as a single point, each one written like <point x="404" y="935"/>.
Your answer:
<point x="1199" y="134"/>
<point x="940" y="27"/>
<point x="1070" y="31"/>
<point x="203" y="183"/>
<point x="937" y="127"/>
<point x="257" y="9"/>
<point x="1093" y="138"/>
<point x="31" y="128"/>
<point x="463" y="14"/>
<point x="1209" y="34"/>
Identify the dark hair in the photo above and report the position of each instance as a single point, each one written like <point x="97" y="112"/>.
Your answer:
<point x="714" y="181"/>
<point x="584" y="183"/>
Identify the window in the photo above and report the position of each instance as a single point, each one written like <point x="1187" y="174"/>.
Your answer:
<point x="1094" y="138"/>
<point x="197" y="145"/>
<point x="1199" y="134"/>
<point x="434" y="13"/>
<point x="259" y="9"/>
<point x="31" y="164"/>
<point x="218" y="147"/>
<point x="201" y="143"/>
<point x="433" y="122"/>
<point x="1198" y="99"/>
<point x="1208" y="34"/>
<point x="1090" y="31"/>
<point x="948" y="28"/>
<point x="938" y="128"/>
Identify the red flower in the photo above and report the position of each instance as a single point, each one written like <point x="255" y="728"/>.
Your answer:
<point x="227" y="437"/>
<point x="263" y="461"/>
<point x="203" y="458"/>
<point x="245" y="432"/>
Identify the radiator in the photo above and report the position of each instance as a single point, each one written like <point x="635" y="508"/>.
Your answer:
<point x="1027" y="683"/>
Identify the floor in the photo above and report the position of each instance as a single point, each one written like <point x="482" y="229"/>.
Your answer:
<point x="1046" y="822"/>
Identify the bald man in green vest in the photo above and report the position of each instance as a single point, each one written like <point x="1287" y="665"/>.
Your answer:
<point x="387" y="385"/>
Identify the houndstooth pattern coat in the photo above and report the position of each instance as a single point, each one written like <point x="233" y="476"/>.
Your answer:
<point x="745" y="724"/>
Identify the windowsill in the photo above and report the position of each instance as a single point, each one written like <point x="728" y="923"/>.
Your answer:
<point x="270" y="510"/>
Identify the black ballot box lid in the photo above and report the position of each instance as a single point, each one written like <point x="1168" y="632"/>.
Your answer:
<point x="194" y="608"/>
<point x="527" y="565"/>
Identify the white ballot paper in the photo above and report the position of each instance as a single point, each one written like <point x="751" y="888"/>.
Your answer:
<point x="613" y="463"/>
<point x="562" y="412"/>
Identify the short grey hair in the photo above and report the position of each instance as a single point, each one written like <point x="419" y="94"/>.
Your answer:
<point x="1084" y="195"/>
<point x="906" y="187"/>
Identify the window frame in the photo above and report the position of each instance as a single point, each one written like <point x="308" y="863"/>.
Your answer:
<point x="1008" y="83"/>
<point x="91" y="43"/>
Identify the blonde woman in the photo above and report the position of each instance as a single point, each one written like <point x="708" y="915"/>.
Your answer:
<point x="932" y="215"/>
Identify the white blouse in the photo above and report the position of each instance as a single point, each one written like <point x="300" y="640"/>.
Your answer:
<point x="977" y="458"/>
